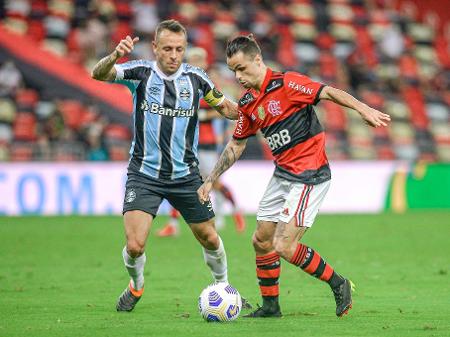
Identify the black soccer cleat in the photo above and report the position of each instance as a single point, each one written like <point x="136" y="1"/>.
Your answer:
<point x="246" y="304"/>
<point x="264" y="312"/>
<point x="127" y="301"/>
<point x="343" y="297"/>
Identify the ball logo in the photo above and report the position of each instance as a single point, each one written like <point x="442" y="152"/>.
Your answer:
<point x="274" y="108"/>
<point x="130" y="196"/>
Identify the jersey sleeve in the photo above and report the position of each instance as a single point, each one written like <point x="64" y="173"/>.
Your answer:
<point x="210" y="93"/>
<point x="130" y="73"/>
<point x="302" y="89"/>
<point x="244" y="127"/>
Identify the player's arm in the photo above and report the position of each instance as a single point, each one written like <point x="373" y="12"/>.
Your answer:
<point x="104" y="69"/>
<point x="371" y="116"/>
<point x="221" y="104"/>
<point x="228" y="109"/>
<point x="229" y="156"/>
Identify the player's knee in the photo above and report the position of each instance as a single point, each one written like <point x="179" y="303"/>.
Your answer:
<point x="261" y="244"/>
<point x="135" y="248"/>
<point x="211" y="240"/>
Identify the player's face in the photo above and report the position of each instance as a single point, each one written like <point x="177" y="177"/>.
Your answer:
<point x="247" y="69"/>
<point x="169" y="51"/>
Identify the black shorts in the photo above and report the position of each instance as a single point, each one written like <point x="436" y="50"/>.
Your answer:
<point x="146" y="194"/>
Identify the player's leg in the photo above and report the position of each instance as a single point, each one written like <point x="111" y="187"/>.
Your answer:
<point x="140" y="207"/>
<point x="172" y="227"/>
<point x="299" y="212"/>
<point x="268" y="267"/>
<point x="200" y="218"/>
<point x="213" y="249"/>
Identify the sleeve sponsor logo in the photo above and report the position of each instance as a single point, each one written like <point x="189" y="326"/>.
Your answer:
<point x="239" y="125"/>
<point x="274" y="84"/>
<point x="247" y="98"/>
<point x="261" y="112"/>
<point x="300" y="87"/>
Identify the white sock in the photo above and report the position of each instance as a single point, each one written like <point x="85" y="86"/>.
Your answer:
<point x="135" y="267"/>
<point x="217" y="262"/>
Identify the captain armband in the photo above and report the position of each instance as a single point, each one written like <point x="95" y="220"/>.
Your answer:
<point x="214" y="97"/>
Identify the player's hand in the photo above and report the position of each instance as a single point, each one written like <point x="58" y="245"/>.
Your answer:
<point x="203" y="191"/>
<point x="126" y="45"/>
<point x="374" y="117"/>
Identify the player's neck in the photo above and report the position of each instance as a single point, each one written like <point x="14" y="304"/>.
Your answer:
<point x="261" y="78"/>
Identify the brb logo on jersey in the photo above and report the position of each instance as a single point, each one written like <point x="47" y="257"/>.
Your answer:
<point x="274" y="108"/>
<point x="278" y="139"/>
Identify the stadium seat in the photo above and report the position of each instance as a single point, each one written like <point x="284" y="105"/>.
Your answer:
<point x="72" y="112"/>
<point x="24" y="127"/>
<point x="7" y="110"/>
<point x="117" y="132"/>
<point x="21" y="152"/>
<point x="26" y="99"/>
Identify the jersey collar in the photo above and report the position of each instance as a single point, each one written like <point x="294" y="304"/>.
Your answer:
<point x="164" y="76"/>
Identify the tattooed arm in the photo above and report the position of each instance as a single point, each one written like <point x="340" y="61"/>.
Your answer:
<point x="229" y="156"/>
<point x="104" y="70"/>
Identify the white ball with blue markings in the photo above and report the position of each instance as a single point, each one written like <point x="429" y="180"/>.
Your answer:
<point x="220" y="302"/>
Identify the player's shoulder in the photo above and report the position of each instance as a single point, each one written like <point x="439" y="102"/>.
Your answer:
<point x="196" y="71"/>
<point x="294" y="77"/>
<point x="276" y="81"/>
<point x="139" y="63"/>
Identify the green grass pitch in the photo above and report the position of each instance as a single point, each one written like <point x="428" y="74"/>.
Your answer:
<point x="61" y="276"/>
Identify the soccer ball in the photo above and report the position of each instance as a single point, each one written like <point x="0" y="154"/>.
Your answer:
<point x="219" y="302"/>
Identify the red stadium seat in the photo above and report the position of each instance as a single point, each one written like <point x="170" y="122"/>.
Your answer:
<point x="21" y="152"/>
<point x="24" y="127"/>
<point x="26" y="99"/>
<point x="117" y="132"/>
<point x="72" y="112"/>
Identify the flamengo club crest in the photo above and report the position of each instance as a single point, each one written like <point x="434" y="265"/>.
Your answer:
<point x="261" y="112"/>
<point x="274" y="108"/>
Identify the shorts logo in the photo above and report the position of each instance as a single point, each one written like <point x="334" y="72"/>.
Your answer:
<point x="286" y="211"/>
<point x="274" y="108"/>
<point x="130" y="195"/>
<point x="210" y="207"/>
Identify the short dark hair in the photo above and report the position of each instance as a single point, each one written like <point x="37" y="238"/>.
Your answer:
<point x="172" y="25"/>
<point x="246" y="44"/>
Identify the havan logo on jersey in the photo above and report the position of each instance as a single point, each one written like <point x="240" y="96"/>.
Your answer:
<point x="300" y="87"/>
<point x="160" y="110"/>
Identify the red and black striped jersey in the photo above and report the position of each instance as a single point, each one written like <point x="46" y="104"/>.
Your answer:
<point x="283" y="111"/>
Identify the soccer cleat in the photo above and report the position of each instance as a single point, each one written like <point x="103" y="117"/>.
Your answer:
<point x="263" y="312"/>
<point x="343" y="297"/>
<point x="168" y="230"/>
<point x="246" y="304"/>
<point x="239" y="221"/>
<point x="129" y="298"/>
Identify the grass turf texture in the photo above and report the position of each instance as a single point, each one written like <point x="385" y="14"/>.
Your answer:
<point x="61" y="276"/>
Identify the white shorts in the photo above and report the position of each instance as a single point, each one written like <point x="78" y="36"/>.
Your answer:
<point x="207" y="160"/>
<point x="284" y="200"/>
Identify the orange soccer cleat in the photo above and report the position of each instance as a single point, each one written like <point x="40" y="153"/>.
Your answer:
<point x="168" y="230"/>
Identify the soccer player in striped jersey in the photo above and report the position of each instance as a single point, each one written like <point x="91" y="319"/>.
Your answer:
<point x="163" y="164"/>
<point x="208" y="155"/>
<point x="281" y="106"/>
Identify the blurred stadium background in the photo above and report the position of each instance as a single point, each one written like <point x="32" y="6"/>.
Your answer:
<point x="394" y="55"/>
<point x="64" y="141"/>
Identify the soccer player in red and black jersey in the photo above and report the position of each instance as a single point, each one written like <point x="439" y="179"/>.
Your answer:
<point x="281" y="106"/>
